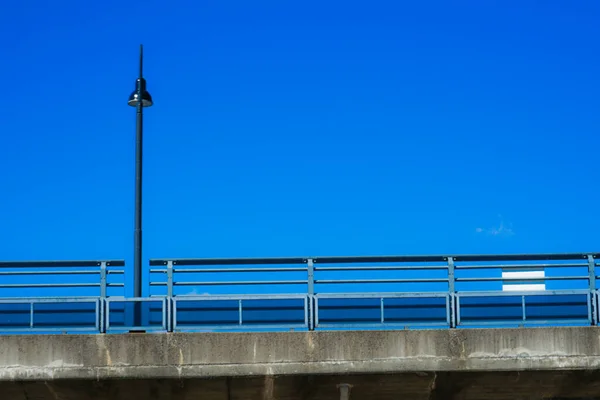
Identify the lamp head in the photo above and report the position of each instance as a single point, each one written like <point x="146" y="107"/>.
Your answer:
<point x="140" y="83"/>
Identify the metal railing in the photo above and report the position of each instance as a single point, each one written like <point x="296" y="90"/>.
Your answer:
<point x="63" y="296"/>
<point x="234" y="294"/>
<point x="561" y="290"/>
<point x="313" y="293"/>
<point x="381" y="292"/>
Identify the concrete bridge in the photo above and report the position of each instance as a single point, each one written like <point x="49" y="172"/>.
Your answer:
<point x="353" y="328"/>
<point x="530" y="363"/>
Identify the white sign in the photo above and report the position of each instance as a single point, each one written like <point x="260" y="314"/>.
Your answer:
<point x="513" y="283"/>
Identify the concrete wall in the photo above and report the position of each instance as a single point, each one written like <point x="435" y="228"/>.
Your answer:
<point x="204" y="355"/>
<point x="525" y="385"/>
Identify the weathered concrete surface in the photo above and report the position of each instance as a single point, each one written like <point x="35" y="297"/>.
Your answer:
<point x="411" y="386"/>
<point x="217" y="355"/>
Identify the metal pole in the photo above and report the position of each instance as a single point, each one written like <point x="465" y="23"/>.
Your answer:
<point x="137" y="254"/>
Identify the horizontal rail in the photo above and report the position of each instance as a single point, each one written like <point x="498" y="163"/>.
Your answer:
<point x="522" y="293"/>
<point x="384" y="325"/>
<point x="368" y="259"/>
<point x="407" y="280"/>
<point x="382" y="268"/>
<point x="459" y="257"/>
<point x="516" y="278"/>
<point x="192" y="297"/>
<point x="524" y="257"/>
<point x="196" y="270"/>
<point x="49" y="329"/>
<point x="229" y="261"/>
<point x="62" y="272"/>
<point x="238" y="328"/>
<point x="59" y="263"/>
<point x="517" y="266"/>
<point x="237" y="283"/>
<point x="20" y="300"/>
<point x="301" y="269"/>
<point x="519" y="322"/>
<point x="381" y="295"/>
<point x="51" y="285"/>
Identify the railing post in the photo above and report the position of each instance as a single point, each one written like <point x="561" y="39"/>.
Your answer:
<point x="169" y="278"/>
<point x="310" y="268"/>
<point x="592" y="275"/>
<point x="451" y="289"/>
<point x="103" y="291"/>
<point x="103" y="279"/>
<point x="170" y="296"/>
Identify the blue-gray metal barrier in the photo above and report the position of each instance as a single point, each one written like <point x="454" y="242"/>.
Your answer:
<point x="233" y="294"/>
<point x="57" y="296"/>
<point x="120" y="309"/>
<point x="381" y="292"/>
<point x="310" y="293"/>
<point x="525" y="290"/>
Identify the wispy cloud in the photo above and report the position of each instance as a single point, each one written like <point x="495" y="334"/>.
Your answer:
<point x="503" y="229"/>
<point x="195" y="293"/>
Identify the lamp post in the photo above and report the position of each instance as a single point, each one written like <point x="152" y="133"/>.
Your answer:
<point x="139" y="99"/>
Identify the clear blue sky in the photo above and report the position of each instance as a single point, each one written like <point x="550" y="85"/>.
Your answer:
<point x="301" y="128"/>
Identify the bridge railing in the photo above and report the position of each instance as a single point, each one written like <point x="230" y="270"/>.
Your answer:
<point x="381" y="292"/>
<point x="63" y="296"/>
<point x="519" y="290"/>
<point x="233" y="294"/>
<point x="395" y="292"/>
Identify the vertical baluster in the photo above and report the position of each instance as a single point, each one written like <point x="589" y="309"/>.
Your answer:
<point x="452" y="290"/>
<point x="169" y="278"/>
<point x="310" y="269"/>
<point x="457" y="298"/>
<point x="316" y="312"/>
<point x="103" y="279"/>
<point x="103" y="294"/>
<point x="311" y="276"/>
<point x="170" y="303"/>
<point x="592" y="282"/>
<point x="306" y="312"/>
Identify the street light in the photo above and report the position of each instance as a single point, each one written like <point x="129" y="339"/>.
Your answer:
<point x="140" y="92"/>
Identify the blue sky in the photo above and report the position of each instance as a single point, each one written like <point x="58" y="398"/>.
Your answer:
<point x="301" y="128"/>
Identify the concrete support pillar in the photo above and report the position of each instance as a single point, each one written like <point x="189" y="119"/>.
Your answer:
<point x="344" y="391"/>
